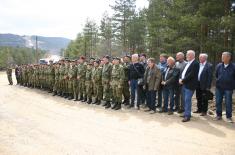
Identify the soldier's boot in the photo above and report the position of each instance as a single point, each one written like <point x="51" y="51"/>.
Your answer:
<point x="55" y="93"/>
<point x="89" y="101"/>
<point x="118" y="106"/>
<point x="115" y="105"/>
<point x="108" y="105"/>
<point x="81" y="98"/>
<point x="70" y="97"/>
<point x="76" y="98"/>
<point x="66" y="95"/>
<point x="85" y="99"/>
<point x="126" y="102"/>
<point x="98" y="102"/>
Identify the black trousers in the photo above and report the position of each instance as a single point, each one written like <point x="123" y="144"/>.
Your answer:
<point x="202" y="101"/>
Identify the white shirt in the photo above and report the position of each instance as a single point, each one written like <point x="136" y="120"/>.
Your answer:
<point x="202" y="65"/>
<point x="186" y="68"/>
<point x="225" y="66"/>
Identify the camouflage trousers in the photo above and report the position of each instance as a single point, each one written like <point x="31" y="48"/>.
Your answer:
<point x="116" y="92"/>
<point x="106" y="90"/>
<point x="9" y="77"/>
<point x="89" y="90"/>
<point x="98" y="90"/>
<point x="81" y="87"/>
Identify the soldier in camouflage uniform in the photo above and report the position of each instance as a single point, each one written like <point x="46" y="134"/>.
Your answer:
<point x="126" y="90"/>
<point x="57" y="78"/>
<point x="88" y="83"/>
<point x="51" y="70"/>
<point x="81" y="74"/>
<point x="76" y="82"/>
<point x="66" y="78"/>
<point x="9" y="75"/>
<point x="106" y="76"/>
<point x="97" y="82"/>
<point x="72" y="79"/>
<point x="62" y="80"/>
<point x="117" y="82"/>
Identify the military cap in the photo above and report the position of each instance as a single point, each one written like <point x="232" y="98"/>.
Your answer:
<point x="82" y="57"/>
<point x="128" y="56"/>
<point x="116" y="58"/>
<point x="97" y="61"/>
<point x="107" y="57"/>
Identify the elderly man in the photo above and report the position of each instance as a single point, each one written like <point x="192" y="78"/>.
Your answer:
<point x="136" y="73"/>
<point x="152" y="79"/>
<point x="179" y="102"/>
<point x="204" y="84"/>
<point x="189" y="80"/>
<point x="170" y="78"/>
<point x="225" y="84"/>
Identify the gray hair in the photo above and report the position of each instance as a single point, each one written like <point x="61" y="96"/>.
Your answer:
<point x="180" y="53"/>
<point x="204" y="55"/>
<point x="191" y="52"/>
<point x="227" y="53"/>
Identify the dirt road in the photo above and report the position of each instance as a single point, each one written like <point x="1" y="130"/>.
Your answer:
<point x="33" y="122"/>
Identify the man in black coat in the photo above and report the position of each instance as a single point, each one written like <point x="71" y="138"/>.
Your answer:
<point x="189" y="80"/>
<point x="204" y="84"/>
<point x="170" y="79"/>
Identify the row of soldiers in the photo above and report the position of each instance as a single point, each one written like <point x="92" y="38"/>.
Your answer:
<point x="81" y="79"/>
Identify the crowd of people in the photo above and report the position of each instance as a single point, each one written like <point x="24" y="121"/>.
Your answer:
<point x="137" y="81"/>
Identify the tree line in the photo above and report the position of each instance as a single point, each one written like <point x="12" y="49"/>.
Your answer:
<point x="10" y="56"/>
<point x="165" y="26"/>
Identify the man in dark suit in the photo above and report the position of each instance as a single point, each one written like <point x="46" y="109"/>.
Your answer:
<point x="204" y="84"/>
<point x="170" y="79"/>
<point x="189" y="80"/>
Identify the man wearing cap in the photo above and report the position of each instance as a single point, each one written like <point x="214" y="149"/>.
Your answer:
<point x="9" y="75"/>
<point x="51" y="70"/>
<point x="57" y="76"/>
<point x="106" y="77"/>
<point x="81" y="74"/>
<point x="126" y="90"/>
<point x="117" y="81"/>
<point x="88" y="84"/>
<point x="61" y="82"/>
<point x="97" y="82"/>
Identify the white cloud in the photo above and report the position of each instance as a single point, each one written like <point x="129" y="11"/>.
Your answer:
<point x="63" y="18"/>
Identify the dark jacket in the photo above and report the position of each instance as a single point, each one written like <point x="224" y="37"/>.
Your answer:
<point x="225" y="77"/>
<point x="172" y="77"/>
<point x="206" y="77"/>
<point x="136" y="71"/>
<point x="190" y="80"/>
<point x="152" y="78"/>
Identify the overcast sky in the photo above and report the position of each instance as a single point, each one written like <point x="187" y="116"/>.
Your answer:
<point x="55" y="18"/>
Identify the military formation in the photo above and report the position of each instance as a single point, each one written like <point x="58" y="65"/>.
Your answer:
<point x="89" y="81"/>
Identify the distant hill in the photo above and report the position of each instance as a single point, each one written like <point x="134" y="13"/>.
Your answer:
<point x="51" y="44"/>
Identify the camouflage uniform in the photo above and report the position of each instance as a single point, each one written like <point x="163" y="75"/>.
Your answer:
<point x="88" y="83"/>
<point x="126" y="90"/>
<point x="117" y="82"/>
<point x="9" y="76"/>
<point x="72" y="80"/>
<point x="81" y="74"/>
<point x="97" y="84"/>
<point x="106" y="75"/>
<point x="57" y="78"/>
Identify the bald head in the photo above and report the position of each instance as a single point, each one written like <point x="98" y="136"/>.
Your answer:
<point x="180" y="56"/>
